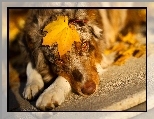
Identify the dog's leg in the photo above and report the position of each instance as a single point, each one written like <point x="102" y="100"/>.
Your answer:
<point x="54" y="95"/>
<point x="104" y="64"/>
<point x="99" y="68"/>
<point x="34" y="83"/>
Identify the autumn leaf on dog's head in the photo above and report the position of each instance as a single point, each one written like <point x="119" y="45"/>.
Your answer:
<point x="62" y="33"/>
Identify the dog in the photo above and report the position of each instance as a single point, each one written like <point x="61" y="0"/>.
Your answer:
<point x="77" y="70"/>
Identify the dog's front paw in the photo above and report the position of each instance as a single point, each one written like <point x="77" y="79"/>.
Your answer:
<point x="50" y="99"/>
<point x="34" y="84"/>
<point x="54" y="95"/>
<point x="31" y="90"/>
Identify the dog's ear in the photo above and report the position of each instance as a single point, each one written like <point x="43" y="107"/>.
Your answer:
<point x="94" y="16"/>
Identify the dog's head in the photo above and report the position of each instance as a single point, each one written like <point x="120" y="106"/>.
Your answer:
<point x="78" y="65"/>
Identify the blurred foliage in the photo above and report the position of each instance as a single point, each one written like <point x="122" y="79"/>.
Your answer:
<point x="128" y="43"/>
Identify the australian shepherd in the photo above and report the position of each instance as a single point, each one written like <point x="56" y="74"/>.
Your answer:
<point x="77" y="70"/>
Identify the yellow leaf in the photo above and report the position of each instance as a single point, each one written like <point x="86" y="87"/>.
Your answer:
<point x="62" y="33"/>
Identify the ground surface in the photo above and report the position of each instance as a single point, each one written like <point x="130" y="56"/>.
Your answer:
<point x="121" y="88"/>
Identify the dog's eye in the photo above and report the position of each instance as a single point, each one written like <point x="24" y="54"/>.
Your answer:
<point x="85" y="46"/>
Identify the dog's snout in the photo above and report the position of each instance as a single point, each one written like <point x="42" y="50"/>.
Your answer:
<point x="88" y="88"/>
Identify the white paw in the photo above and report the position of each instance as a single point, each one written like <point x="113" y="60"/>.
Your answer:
<point x="50" y="99"/>
<point x="34" y="84"/>
<point x="54" y="95"/>
<point x="31" y="90"/>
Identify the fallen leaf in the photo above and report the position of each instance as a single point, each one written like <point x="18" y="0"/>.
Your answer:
<point x="62" y="33"/>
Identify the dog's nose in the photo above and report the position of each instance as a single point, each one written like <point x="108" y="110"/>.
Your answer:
<point x="89" y="88"/>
